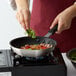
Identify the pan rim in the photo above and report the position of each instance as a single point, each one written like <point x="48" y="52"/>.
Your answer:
<point x="10" y="42"/>
<point x="20" y="53"/>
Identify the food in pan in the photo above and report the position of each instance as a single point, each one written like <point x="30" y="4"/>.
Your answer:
<point x="72" y="55"/>
<point x="31" y="33"/>
<point x="36" y="46"/>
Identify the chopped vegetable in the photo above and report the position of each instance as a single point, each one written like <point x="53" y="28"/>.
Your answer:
<point x="37" y="46"/>
<point x="73" y="55"/>
<point x="31" y="33"/>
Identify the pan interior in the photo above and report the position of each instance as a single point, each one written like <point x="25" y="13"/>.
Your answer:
<point x="18" y="42"/>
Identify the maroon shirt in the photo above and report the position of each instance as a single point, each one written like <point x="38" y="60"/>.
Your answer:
<point x="44" y="12"/>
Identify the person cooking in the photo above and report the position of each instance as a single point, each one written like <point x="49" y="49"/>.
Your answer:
<point x="45" y="15"/>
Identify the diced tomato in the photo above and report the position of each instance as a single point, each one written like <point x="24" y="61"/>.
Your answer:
<point x="43" y="47"/>
<point x="36" y="47"/>
<point x="32" y="48"/>
<point x="27" y="46"/>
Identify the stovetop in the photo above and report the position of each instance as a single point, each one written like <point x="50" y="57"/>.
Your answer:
<point x="10" y="59"/>
<point x="52" y="64"/>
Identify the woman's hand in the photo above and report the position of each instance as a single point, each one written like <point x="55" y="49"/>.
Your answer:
<point x="23" y="16"/>
<point x="23" y="13"/>
<point x="64" y="19"/>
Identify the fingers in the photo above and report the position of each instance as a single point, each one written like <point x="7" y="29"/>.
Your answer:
<point x="17" y="16"/>
<point x="60" y="27"/>
<point x="20" y="18"/>
<point x="62" y="24"/>
<point x="54" y="23"/>
<point x="27" y="19"/>
<point x="23" y="18"/>
<point x="22" y="22"/>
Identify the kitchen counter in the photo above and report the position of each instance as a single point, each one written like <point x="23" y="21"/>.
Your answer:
<point x="71" y="70"/>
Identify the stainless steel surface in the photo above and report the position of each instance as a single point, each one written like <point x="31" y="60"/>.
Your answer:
<point x="5" y="59"/>
<point x="35" y="53"/>
<point x="71" y="70"/>
<point x="32" y="53"/>
<point x="48" y="34"/>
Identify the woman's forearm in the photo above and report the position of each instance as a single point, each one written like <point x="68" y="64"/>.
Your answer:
<point x="22" y="4"/>
<point x="72" y="10"/>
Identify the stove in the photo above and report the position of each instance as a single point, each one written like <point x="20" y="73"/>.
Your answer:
<point x="49" y="65"/>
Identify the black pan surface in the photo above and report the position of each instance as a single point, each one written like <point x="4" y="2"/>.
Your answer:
<point x="18" y="42"/>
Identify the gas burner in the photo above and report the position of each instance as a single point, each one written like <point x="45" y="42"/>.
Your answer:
<point x="51" y="64"/>
<point x="34" y="59"/>
<point x="43" y="60"/>
<point x="53" y="58"/>
<point x="26" y="61"/>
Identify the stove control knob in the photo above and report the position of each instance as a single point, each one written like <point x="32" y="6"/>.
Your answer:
<point x="17" y="62"/>
<point x="17" y="56"/>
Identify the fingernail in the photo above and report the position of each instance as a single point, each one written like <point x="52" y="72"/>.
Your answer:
<point x="50" y="27"/>
<point x="58" y="32"/>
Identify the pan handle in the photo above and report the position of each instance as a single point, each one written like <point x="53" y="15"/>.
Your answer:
<point x="52" y="31"/>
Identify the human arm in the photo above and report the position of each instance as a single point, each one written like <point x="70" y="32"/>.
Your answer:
<point x="23" y="13"/>
<point x="64" y="19"/>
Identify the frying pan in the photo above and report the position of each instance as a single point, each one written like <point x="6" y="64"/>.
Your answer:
<point x="21" y="41"/>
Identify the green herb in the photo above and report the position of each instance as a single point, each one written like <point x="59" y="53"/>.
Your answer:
<point x="31" y="33"/>
<point x="73" y="58"/>
<point x="73" y="55"/>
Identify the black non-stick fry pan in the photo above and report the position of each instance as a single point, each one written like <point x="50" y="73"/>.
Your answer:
<point x="18" y="42"/>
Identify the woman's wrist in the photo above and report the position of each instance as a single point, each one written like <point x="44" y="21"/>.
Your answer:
<point x="22" y="4"/>
<point x="73" y="10"/>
